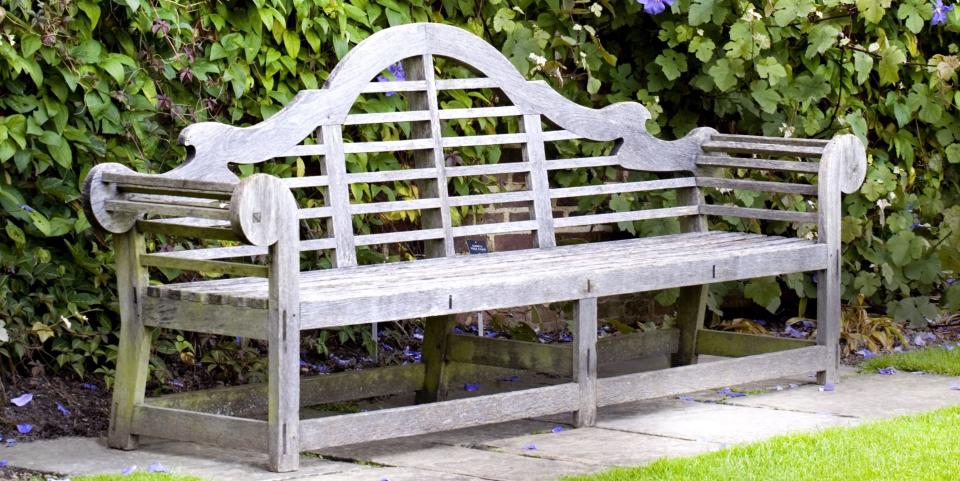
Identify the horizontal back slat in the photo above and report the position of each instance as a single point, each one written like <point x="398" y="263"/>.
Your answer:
<point x="662" y="213"/>
<point x="763" y="214"/>
<point x="582" y="163"/>
<point x="770" y="140"/>
<point x="758" y="164"/>
<point x="644" y="186"/>
<point x="757" y="185"/>
<point x="487" y="199"/>
<point x="762" y="148"/>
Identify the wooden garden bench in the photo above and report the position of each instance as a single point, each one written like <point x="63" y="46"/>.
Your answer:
<point x="268" y="297"/>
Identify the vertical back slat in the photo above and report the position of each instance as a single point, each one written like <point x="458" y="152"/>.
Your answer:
<point x="533" y="152"/>
<point x="335" y="168"/>
<point x="421" y="68"/>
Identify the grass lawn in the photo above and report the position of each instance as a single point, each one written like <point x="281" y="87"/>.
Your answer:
<point x="917" y="448"/>
<point x="935" y="360"/>
<point x="137" y="476"/>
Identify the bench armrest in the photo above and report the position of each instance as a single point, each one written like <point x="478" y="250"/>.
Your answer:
<point x="847" y="157"/>
<point x="254" y="210"/>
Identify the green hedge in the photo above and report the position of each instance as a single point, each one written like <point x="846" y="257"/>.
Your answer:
<point x="90" y="81"/>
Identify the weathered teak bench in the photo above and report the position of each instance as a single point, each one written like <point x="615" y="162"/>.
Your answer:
<point x="275" y="301"/>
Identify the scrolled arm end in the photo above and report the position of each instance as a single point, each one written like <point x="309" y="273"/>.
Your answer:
<point x="96" y="193"/>
<point x="263" y="210"/>
<point x="849" y="152"/>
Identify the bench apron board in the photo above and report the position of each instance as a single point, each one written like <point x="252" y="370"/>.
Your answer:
<point x="265" y="294"/>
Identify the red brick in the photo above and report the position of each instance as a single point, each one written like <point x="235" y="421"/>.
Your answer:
<point x="512" y="242"/>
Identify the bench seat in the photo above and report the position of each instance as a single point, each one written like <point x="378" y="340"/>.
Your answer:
<point x="430" y="287"/>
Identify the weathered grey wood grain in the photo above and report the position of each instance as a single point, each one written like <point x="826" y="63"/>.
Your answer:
<point x="757" y="185"/>
<point x="140" y="208"/>
<point x="770" y="140"/>
<point x="737" y="344"/>
<point x="729" y="372"/>
<point x="203" y="428"/>
<point x="543" y="358"/>
<point x="692" y="300"/>
<point x="828" y="280"/>
<point x="661" y="213"/>
<point x="219" y="319"/>
<point x="533" y="153"/>
<point x="637" y="345"/>
<point x="338" y="196"/>
<point x="762" y="148"/>
<point x="585" y="361"/>
<point x="188" y="227"/>
<point x="488" y="169"/>
<point x="488" y="199"/>
<point x="412" y="420"/>
<point x="175" y="262"/>
<point x="133" y="349"/>
<point x="580" y="163"/>
<point x="765" y="214"/>
<point x="644" y="186"/>
<point x="249" y="400"/>
<point x="758" y="164"/>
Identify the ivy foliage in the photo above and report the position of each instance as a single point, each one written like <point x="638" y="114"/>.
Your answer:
<point x="89" y="81"/>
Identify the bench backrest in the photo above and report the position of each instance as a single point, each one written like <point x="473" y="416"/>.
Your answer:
<point x="313" y="125"/>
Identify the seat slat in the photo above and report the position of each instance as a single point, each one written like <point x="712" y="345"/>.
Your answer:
<point x="494" y="260"/>
<point x="758" y="164"/>
<point x="570" y="255"/>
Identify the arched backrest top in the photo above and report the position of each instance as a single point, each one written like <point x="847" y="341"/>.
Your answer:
<point x="214" y="145"/>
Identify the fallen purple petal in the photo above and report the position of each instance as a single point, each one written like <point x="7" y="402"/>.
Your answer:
<point x="529" y="447"/>
<point x="157" y="468"/>
<point x="949" y="347"/>
<point x="886" y="371"/>
<point x="4" y="463"/>
<point x="471" y="387"/>
<point x="557" y="429"/>
<point x="11" y="442"/>
<point x="685" y="398"/>
<point x="63" y="409"/>
<point x="790" y="331"/>
<point x="23" y="400"/>
<point x="955" y="386"/>
<point x="24" y="428"/>
<point x="92" y="387"/>
<point x="866" y="353"/>
<point x="725" y="391"/>
<point x="828" y="387"/>
<point x="918" y="373"/>
<point x="128" y="470"/>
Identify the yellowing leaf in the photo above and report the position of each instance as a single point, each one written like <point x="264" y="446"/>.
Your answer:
<point x="42" y="331"/>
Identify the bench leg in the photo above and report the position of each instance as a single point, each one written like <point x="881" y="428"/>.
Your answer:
<point x="691" y="309"/>
<point x="133" y="354"/>
<point x="828" y="319"/>
<point x="585" y="361"/>
<point x="434" y="358"/>
<point x="283" y="384"/>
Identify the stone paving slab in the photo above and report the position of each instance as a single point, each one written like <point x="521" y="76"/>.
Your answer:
<point x="867" y="396"/>
<point x="78" y="456"/>
<point x="711" y="422"/>
<point x="486" y="464"/>
<point x="601" y="447"/>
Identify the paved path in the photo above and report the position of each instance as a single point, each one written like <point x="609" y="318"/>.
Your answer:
<point x="628" y="434"/>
